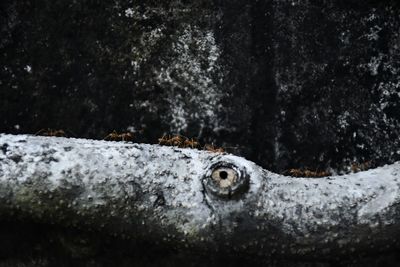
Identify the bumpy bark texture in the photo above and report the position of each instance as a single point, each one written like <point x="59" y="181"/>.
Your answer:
<point x="92" y="193"/>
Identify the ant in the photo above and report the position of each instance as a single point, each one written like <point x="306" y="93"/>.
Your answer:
<point x="191" y="143"/>
<point x="167" y="140"/>
<point x="114" y="136"/>
<point x="163" y="140"/>
<point x="307" y="173"/>
<point x="212" y="148"/>
<point x="51" y="132"/>
<point x="176" y="141"/>
<point x="179" y="141"/>
<point x="357" y="167"/>
<point x="295" y="172"/>
<point x="171" y="141"/>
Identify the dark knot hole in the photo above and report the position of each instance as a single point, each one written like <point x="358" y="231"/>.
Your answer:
<point x="223" y="175"/>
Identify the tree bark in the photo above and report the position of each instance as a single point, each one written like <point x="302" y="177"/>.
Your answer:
<point x="174" y="198"/>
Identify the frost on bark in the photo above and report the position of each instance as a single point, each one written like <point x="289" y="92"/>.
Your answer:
<point x="189" y="201"/>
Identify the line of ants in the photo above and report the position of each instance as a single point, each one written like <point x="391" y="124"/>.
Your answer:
<point x="166" y="140"/>
<point x="306" y="172"/>
<point x="184" y="142"/>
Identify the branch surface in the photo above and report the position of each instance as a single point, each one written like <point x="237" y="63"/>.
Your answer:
<point x="191" y="199"/>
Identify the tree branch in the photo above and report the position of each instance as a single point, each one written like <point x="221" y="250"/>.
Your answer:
<point x="194" y="199"/>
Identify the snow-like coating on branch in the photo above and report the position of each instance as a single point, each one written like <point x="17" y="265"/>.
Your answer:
<point x="162" y="193"/>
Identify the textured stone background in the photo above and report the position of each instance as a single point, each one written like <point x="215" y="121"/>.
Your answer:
<point x="287" y="84"/>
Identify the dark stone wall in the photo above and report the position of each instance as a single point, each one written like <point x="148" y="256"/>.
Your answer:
<point x="287" y="84"/>
<point x="89" y="67"/>
<point x="337" y="73"/>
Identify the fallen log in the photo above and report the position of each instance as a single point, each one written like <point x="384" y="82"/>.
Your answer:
<point x="196" y="200"/>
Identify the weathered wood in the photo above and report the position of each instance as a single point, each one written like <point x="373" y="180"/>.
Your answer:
<point x="168" y="195"/>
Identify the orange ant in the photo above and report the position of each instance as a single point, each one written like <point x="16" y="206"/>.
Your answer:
<point x="179" y="141"/>
<point x="191" y="143"/>
<point x="176" y="140"/>
<point x="163" y="140"/>
<point x="357" y="167"/>
<point x="307" y="173"/>
<point x="114" y="136"/>
<point x="212" y="148"/>
<point x="295" y="172"/>
<point x="51" y="132"/>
